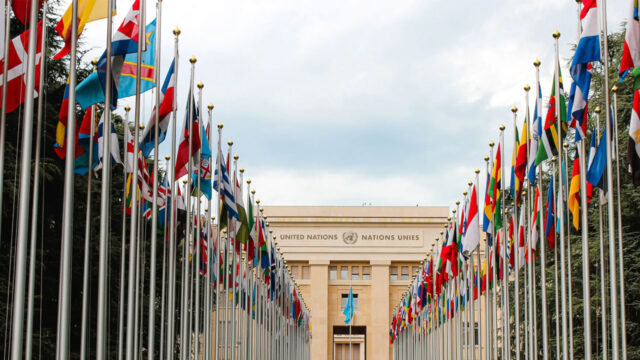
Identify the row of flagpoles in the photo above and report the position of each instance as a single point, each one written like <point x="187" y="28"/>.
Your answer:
<point x="237" y="299"/>
<point x="495" y="300"/>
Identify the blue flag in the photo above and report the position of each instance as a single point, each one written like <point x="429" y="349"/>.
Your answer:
<point x="597" y="165"/>
<point x="348" y="310"/>
<point x="91" y="90"/>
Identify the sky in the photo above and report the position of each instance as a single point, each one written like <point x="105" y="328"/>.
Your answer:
<point x="351" y="102"/>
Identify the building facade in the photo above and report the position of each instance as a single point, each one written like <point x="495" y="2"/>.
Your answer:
<point x="374" y="250"/>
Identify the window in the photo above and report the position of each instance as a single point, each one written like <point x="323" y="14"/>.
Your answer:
<point x="393" y="273"/>
<point x="333" y="273"/>
<point x="355" y="273"/>
<point x="344" y="273"/>
<point x="294" y="271"/>
<point x="366" y="271"/>
<point x="344" y="299"/>
<point x="405" y="273"/>
<point x="476" y="333"/>
<point x="305" y="272"/>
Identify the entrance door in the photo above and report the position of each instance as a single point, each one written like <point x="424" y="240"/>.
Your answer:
<point x="344" y="352"/>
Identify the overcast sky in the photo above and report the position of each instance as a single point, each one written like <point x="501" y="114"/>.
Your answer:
<point x="342" y="102"/>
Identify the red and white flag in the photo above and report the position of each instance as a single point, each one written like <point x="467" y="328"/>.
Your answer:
<point x="631" y="49"/>
<point x="472" y="234"/>
<point x="17" y="54"/>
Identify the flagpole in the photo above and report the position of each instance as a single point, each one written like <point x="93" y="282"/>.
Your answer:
<point x="557" y="188"/>
<point x="609" y="172"/>
<point x="87" y="242"/>
<point x="233" y="265"/>
<point x="623" y="321"/>
<point x="226" y="273"/>
<point x="164" y="264"/>
<point x="133" y="236"/>
<point x="568" y="258"/>
<point x="62" y="344"/>
<point x="208" y="282"/>
<point x="586" y="292"/>
<point x="516" y="245"/>
<point x="123" y="240"/>
<point x="217" y="243"/>
<point x="529" y="276"/>
<point x="154" y="205"/>
<point x="36" y="189"/>
<point x="103" y="266"/>
<point x="196" y="349"/>
<point x="173" y="211"/>
<point x="603" y="293"/>
<point x="3" y="113"/>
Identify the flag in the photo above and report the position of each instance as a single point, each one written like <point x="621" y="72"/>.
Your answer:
<point x="574" y="193"/>
<point x="631" y="50"/>
<point x="167" y="106"/>
<point x="124" y="41"/>
<point x="84" y="139"/>
<point x="549" y="137"/>
<point x="225" y="190"/>
<point x="124" y="70"/>
<point x="22" y="9"/>
<point x="183" y="157"/>
<point x="521" y="241"/>
<point x="61" y="129"/>
<point x="598" y="164"/>
<point x="521" y="161"/>
<point x="494" y="190"/>
<point x="204" y="168"/>
<point x="487" y="213"/>
<point x="242" y="223"/>
<point x="472" y="231"/>
<point x="129" y="155"/>
<point x="535" y="220"/>
<point x="251" y="247"/>
<point x="536" y="130"/>
<point x="633" y="149"/>
<point x="348" y="309"/>
<point x="16" y="55"/>
<point x="113" y="138"/>
<point x="514" y="154"/>
<point x="88" y="11"/>
<point x="549" y="223"/>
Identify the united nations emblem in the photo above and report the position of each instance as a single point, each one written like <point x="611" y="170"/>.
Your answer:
<point x="349" y="237"/>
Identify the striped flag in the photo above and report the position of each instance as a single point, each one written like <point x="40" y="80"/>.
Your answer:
<point x="633" y="151"/>
<point x="549" y="138"/>
<point x="631" y="50"/>
<point x="472" y="232"/>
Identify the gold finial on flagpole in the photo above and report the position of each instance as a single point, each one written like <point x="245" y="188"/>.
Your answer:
<point x="464" y="193"/>
<point x="193" y="60"/>
<point x="514" y="109"/>
<point x="235" y="157"/>
<point x="94" y="61"/>
<point x="176" y="31"/>
<point x="566" y="144"/>
<point x="527" y="87"/>
<point x="141" y="126"/>
<point x="614" y="88"/>
<point x="536" y="63"/>
<point x="597" y="110"/>
<point x="556" y="34"/>
<point x="478" y="170"/>
<point x="200" y="85"/>
<point x="220" y="126"/>
<point x="241" y="170"/>
<point x="502" y="127"/>
<point x="127" y="108"/>
<point x="491" y="143"/>
<point x="253" y="191"/>
<point x="249" y="181"/>
<point x="210" y="106"/>
<point x="470" y="183"/>
<point x="230" y="142"/>
<point x="167" y="157"/>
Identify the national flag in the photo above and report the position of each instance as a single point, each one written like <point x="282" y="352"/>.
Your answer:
<point x="88" y="11"/>
<point x="521" y="161"/>
<point x="183" y="157"/>
<point x="242" y="223"/>
<point x="472" y="231"/>
<point x="574" y="193"/>
<point x="631" y="50"/>
<point x="222" y="185"/>
<point x="521" y="240"/>
<point x="633" y="149"/>
<point x="251" y="247"/>
<point x="514" y="154"/>
<point x="22" y="10"/>
<point x="167" y="107"/>
<point x="114" y="147"/>
<point x="164" y="191"/>
<point x="204" y="168"/>
<point x="487" y="213"/>
<point x="85" y="138"/>
<point x="124" y="41"/>
<point x="494" y="191"/>
<point x="549" y="223"/>
<point x="61" y="128"/>
<point x="549" y="138"/>
<point x="17" y="54"/>
<point x="598" y="164"/>
<point x="536" y="130"/>
<point x="535" y="220"/>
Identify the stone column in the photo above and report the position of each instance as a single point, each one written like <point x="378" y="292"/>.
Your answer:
<point x="319" y="304"/>
<point x="379" y="332"/>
